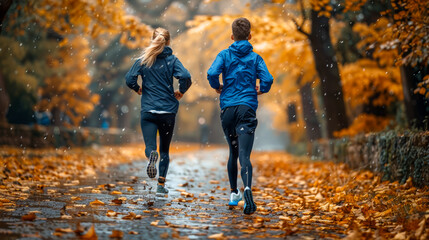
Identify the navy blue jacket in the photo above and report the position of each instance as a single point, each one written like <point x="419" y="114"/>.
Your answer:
<point x="240" y="67"/>
<point x="157" y="84"/>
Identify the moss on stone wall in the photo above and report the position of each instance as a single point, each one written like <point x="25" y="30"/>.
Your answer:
<point x="395" y="155"/>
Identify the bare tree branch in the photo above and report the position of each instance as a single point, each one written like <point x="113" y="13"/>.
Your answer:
<point x="299" y="27"/>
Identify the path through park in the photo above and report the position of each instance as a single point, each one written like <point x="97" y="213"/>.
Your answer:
<point x="103" y="192"/>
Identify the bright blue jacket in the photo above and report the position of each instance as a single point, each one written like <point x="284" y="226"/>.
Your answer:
<point x="240" y="67"/>
<point x="157" y="82"/>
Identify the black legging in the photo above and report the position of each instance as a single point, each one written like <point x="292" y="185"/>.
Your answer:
<point x="242" y="152"/>
<point x="239" y="124"/>
<point x="151" y="123"/>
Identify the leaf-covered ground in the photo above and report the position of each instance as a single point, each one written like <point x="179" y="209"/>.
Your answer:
<point x="103" y="192"/>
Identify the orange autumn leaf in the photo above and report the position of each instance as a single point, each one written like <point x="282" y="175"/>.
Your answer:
<point x="96" y="202"/>
<point x="29" y="217"/>
<point x="90" y="234"/>
<point x="117" y="234"/>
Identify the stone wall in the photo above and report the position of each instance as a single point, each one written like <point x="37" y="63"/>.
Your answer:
<point x="39" y="137"/>
<point x="396" y="156"/>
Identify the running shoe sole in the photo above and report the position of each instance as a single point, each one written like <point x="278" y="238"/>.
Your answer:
<point x="161" y="195"/>
<point x="249" y="204"/>
<point x="151" y="167"/>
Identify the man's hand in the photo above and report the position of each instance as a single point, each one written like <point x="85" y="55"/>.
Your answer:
<point x="178" y="95"/>
<point x="257" y="90"/>
<point x="219" y="90"/>
<point x="139" y="92"/>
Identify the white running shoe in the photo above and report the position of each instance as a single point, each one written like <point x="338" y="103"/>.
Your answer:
<point x="235" y="198"/>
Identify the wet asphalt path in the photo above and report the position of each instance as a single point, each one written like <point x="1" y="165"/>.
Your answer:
<point x="196" y="207"/>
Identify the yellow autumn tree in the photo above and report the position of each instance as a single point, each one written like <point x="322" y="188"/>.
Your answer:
<point x="400" y="36"/>
<point x="286" y="52"/>
<point x="73" y="23"/>
<point x="68" y="91"/>
<point x="366" y="83"/>
<point x="91" y="18"/>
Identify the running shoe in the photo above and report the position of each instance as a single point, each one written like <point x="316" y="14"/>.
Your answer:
<point x="235" y="198"/>
<point x="151" y="166"/>
<point x="161" y="191"/>
<point x="249" y="204"/>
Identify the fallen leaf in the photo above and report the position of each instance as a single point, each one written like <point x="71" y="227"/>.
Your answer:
<point x="400" y="236"/>
<point x="117" y="201"/>
<point x="116" y="234"/>
<point x="130" y="216"/>
<point x="111" y="213"/>
<point x="65" y="216"/>
<point x="216" y="236"/>
<point x="133" y="233"/>
<point x="96" y="202"/>
<point x="187" y="195"/>
<point x="164" y="235"/>
<point x="29" y="217"/>
<point x="421" y="228"/>
<point x="90" y="235"/>
<point x="64" y="230"/>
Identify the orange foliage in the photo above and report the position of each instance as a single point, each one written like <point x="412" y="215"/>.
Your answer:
<point x="353" y="5"/>
<point x="364" y="123"/>
<point x="68" y="91"/>
<point x="92" y="18"/>
<point x="422" y="87"/>
<point x="323" y="7"/>
<point x="403" y="31"/>
<point x="364" y="82"/>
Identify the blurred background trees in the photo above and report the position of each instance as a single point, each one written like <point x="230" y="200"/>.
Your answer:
<point x="341" y="67"/>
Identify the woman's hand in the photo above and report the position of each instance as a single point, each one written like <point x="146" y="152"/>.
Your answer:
<point x="139" y="92"/>
<point x="178" y="95"/>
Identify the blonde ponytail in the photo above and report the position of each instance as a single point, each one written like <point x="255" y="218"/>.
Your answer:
<point x="160" y="38"/>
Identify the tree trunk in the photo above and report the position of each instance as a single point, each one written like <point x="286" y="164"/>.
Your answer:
<point x="4" y="101"/>
<point x="124" y="118"/>
<point x="311" y="122"/>
<point x="4" y="97"/>
<point x="56" y="117"/>
<point x="416" y="106"/>
<point x="327" y="68"/>
<point x="4" y="7"/>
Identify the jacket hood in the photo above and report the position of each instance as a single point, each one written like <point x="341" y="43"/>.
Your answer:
<point x="166" y="52"/>
<point x="241" y="48"/>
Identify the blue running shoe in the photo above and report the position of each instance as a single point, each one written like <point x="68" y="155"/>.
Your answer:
<point x="151" y="166"/>
<point x="235" y="198"/>
<point x="249" y="204"/>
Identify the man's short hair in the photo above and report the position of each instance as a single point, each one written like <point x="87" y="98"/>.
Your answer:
<point x="241" y="29"/>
